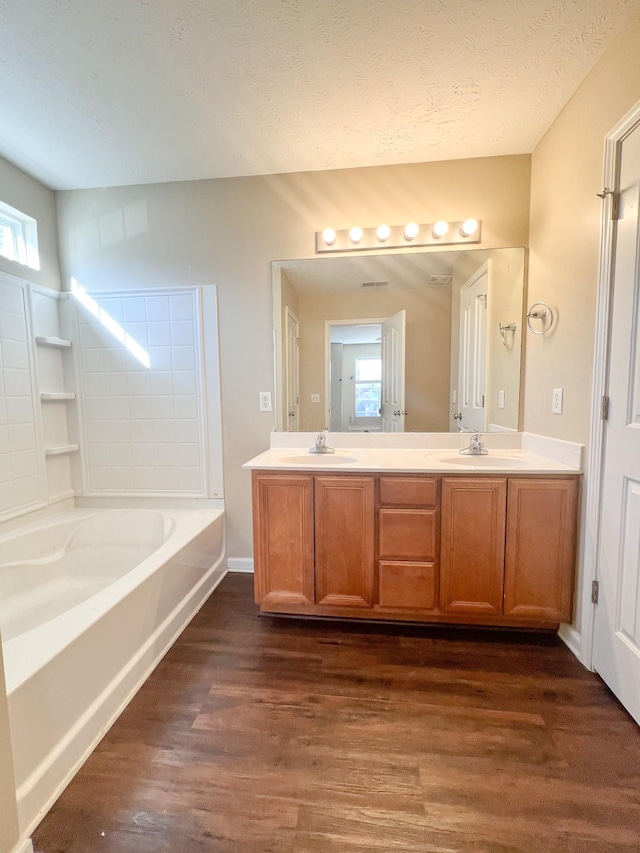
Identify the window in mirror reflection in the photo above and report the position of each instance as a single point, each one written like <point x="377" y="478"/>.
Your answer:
<point x="368" y="387"/>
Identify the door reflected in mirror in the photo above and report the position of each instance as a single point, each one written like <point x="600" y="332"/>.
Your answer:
<point x="443" y="361"/>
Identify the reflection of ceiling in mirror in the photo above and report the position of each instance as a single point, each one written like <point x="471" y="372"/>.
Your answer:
<point x="370" y="333"/>
<point x="342" y="274"/>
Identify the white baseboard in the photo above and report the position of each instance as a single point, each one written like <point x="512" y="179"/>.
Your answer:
<point x="240" y="564"/>
<point x="24" y="846"/>
<point x="572" y="639"/>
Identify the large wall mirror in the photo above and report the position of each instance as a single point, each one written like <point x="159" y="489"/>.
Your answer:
<point x="420" y="342"/>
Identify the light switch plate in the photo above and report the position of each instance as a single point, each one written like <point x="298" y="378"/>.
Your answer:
<point x="315" y="398"/>
<point x="556" y="406"/>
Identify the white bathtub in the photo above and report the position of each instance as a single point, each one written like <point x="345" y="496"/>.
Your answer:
<point x="90" y="600"/>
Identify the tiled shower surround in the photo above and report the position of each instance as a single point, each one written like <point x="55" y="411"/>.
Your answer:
<point x="104" y="395"/>
<point x="142" y="392"/>
<point x="20" y="482"/>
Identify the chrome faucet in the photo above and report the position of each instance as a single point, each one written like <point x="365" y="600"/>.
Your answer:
<point x="476" y="447"/>
<point x="321" y="445"/>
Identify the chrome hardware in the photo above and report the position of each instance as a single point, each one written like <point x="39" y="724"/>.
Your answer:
<point x="540" y="313"/>
<point x="397" y="413"/>
<point x="321" y="445"/>
<point x="506" y="327"/>
<point x="457" y="416"/>
<point x="476" y="447"/>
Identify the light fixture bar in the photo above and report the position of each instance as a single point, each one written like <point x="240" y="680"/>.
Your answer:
<point x="399" y="236"/>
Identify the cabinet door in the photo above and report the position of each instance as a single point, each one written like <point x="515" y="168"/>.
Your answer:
<point x="540" y="549"/>
<point x="344" y="516"/>
<point x="472" y="545"/>
<point x="283" y="538"/>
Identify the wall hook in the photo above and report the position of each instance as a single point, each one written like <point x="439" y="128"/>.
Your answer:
<point x="540" y="311"/>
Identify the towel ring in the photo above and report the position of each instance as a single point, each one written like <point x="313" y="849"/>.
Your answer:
<point x="540" y="313"/>
<point x="506" y="327"/>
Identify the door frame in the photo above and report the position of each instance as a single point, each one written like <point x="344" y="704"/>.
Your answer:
<point x="290" y="315"/>
<point x="484" y="269"/>
<point x="583" y="645"/>
<point x="327" y="358"/>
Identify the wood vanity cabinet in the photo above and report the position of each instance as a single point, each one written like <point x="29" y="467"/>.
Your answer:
<point x="344" y="536"/>
<point x="473" y="525"/>
<point x="540" y="548"/>
<point x="408" y="524"/>
<point x="508" y="547"/>
<point x="313" y="541"/>
<point x="483" y="550"/>
<point x="283" y="539"/>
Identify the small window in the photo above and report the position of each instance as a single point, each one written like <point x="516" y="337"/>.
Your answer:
<point x="368" y="387"/>
<point x="18" y="237"/>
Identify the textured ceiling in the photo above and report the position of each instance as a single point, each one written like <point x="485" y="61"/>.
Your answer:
<point x="332" y="274"/>
<point x="106" y="92"/>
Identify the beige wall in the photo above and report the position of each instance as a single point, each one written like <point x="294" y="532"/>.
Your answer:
<point x="567" y="172"/>
<point x="226" y="232"/>
<point x="427" y="349"/>
<point x="29" y="196"/>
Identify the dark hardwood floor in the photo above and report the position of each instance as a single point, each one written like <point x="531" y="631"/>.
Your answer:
<point x="259" y="734"/>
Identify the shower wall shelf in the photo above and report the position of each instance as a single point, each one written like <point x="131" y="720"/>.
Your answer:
<point x="60" y="449"/>
<point x="57" y="396"/>
<point x="50" y="341"/>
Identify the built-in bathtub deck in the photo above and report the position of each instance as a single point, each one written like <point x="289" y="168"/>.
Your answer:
<point x="70" y="677"/>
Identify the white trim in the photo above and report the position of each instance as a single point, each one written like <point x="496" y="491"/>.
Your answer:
<point x="25" y="846"/>
<point x="240" y="564"/>
<point x="572" y="638"/>
<point x="593" y="479"/>
<point x="370" y="321"/>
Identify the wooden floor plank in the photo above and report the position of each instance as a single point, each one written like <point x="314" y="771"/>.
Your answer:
<point x="291" y="736"/>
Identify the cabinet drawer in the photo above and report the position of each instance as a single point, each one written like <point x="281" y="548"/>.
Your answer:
<point x="404" y="584"/>
<point x="407" y="534"/>
<point x="408" y="491"/>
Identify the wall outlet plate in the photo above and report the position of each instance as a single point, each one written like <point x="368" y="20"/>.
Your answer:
<point x="556" y="405"/>
<point x="265" y="401"/>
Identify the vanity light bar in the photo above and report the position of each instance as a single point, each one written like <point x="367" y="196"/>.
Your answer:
<point x="439" y="233"/>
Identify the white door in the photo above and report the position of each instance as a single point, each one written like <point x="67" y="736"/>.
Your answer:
<point x="292" y="362"/>
<point x="473" y="352"/>
<point x="617" y="635"/>
<point x="392" y="393"/>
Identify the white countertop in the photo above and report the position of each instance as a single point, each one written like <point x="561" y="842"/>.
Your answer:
<point x="430" y="461"/>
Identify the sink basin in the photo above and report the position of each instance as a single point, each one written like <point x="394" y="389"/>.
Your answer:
<point x="491" y="461"/>
<point x="327" y="459"/>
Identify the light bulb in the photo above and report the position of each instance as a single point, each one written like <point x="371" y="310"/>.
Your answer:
<point x="411" y="231"/>
<point x="355" y="235"/>
<point x="382" y="232"/>
<point x="469" y="227"/>
<point x="440" y="228"/>
<point x="329" y="236"/>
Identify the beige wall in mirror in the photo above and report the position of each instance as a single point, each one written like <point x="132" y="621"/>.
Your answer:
<point x="369" y="288"/>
